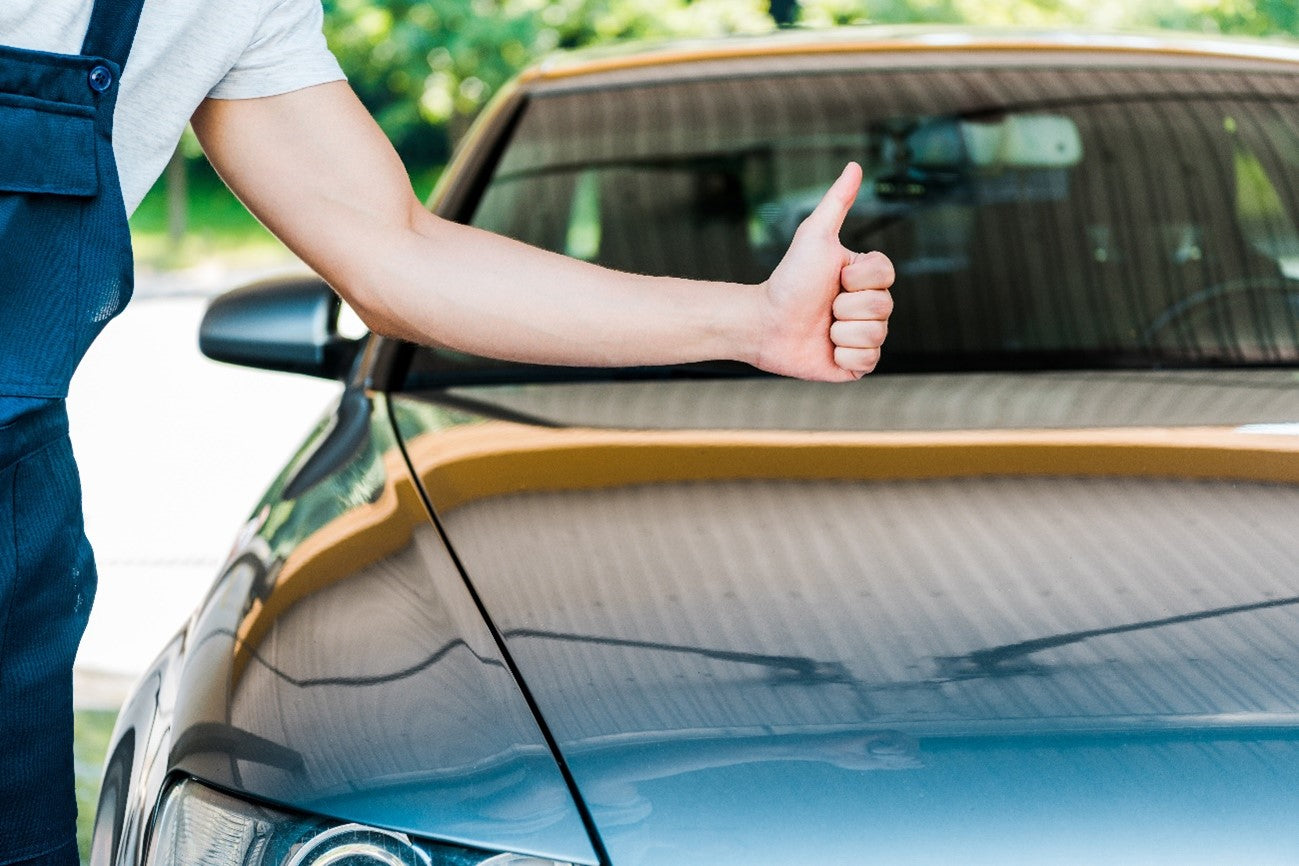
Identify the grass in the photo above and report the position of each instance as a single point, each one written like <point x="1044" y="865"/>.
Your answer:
<point x="91" y="732"/>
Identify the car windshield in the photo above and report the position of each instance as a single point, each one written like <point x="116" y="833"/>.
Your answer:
<point x="1121" y="216"/>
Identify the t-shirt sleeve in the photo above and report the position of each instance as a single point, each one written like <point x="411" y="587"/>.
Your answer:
<point x="287" y="52"/>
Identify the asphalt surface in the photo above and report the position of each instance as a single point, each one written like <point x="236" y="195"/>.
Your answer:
<point x="175" y="451"/>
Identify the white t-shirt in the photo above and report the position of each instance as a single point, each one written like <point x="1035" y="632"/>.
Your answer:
<point x="184" y="52"/>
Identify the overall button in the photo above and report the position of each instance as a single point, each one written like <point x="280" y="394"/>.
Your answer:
<point x="101" y="78"/>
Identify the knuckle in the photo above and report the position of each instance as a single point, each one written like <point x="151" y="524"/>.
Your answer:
<point x="869" y="271"/>
<point x="884" y="304"/>
<point x="851" y="334"/>
<point x="863" y="306"/>
<point x="851" y="305"/>
<point x="862" y="360"/>
<point x="882" y="265"/>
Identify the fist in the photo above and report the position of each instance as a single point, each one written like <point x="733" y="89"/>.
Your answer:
<point x="861" y="310"/>
<point x="827" y="307"/>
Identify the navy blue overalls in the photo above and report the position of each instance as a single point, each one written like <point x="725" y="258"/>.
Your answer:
<point x="65" y="270"/>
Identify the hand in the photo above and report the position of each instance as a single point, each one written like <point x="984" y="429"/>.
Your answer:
<point x="826" y="307"/>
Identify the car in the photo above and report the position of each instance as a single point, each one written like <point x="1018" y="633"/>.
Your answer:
<point x="1027" y="594"/>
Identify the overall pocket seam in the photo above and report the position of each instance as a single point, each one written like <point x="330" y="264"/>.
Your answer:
<point x="49" y="106"/>
<point x="9" y="581"/>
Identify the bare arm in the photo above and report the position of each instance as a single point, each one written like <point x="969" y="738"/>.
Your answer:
<point x="313" y="166"/>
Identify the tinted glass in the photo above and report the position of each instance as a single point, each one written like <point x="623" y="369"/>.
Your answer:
<point x="1067" y="217"/>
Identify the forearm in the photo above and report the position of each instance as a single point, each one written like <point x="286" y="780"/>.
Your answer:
<point x="457" y="286"/>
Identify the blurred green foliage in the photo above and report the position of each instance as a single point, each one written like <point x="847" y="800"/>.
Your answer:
<point x="424" y="67"/>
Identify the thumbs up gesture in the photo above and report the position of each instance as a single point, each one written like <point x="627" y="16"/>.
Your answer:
<point x="826" y="307"/>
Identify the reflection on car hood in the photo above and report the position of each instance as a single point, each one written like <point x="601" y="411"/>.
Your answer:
<point x="1010" y="641"/>
<point x="339" y="665"/>
<point x="965" y="401"/>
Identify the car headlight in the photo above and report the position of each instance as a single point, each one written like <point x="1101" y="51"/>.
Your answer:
<point x="199" y="826"/>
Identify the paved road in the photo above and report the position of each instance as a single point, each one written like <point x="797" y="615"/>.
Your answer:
<point x="174" y="451"/>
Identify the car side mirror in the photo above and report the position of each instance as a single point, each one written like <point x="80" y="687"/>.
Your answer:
<point x="289" y="324"/>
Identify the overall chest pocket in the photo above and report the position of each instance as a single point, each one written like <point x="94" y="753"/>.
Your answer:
<point x="46" y="148"/>
<point x="49" y="188"/>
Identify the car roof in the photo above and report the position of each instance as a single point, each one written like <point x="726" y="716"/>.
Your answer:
<point x="648" y="62"/>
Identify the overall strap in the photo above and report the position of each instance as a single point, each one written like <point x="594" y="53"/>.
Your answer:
<point x="112" y="29"/>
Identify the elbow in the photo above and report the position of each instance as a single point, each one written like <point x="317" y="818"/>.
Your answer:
<point x="364" y="297"/>
<point x="381" y="290"/>
<point x="369" y="306"/>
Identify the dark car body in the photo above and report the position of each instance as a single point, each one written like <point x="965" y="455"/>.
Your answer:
<point x="1028" y="594"/>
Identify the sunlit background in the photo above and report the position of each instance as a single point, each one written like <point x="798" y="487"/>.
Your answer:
<point x="175" y="449"/>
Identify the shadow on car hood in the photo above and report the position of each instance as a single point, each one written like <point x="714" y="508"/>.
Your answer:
<point x="920" y="620"/>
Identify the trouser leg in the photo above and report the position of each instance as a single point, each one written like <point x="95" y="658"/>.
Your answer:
<point x="47" y="584"/>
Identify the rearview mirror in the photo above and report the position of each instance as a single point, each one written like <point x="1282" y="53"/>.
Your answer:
<point x="288" y="324"/>
<point x="1023" y="141"/>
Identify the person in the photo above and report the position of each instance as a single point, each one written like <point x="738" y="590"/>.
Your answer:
<point x="84" y="133"/>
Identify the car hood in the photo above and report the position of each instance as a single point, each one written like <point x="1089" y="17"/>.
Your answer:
<point x="1005" y="618"/>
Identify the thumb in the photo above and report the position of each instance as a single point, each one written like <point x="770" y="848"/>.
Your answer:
<point x="829" y="214"/>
